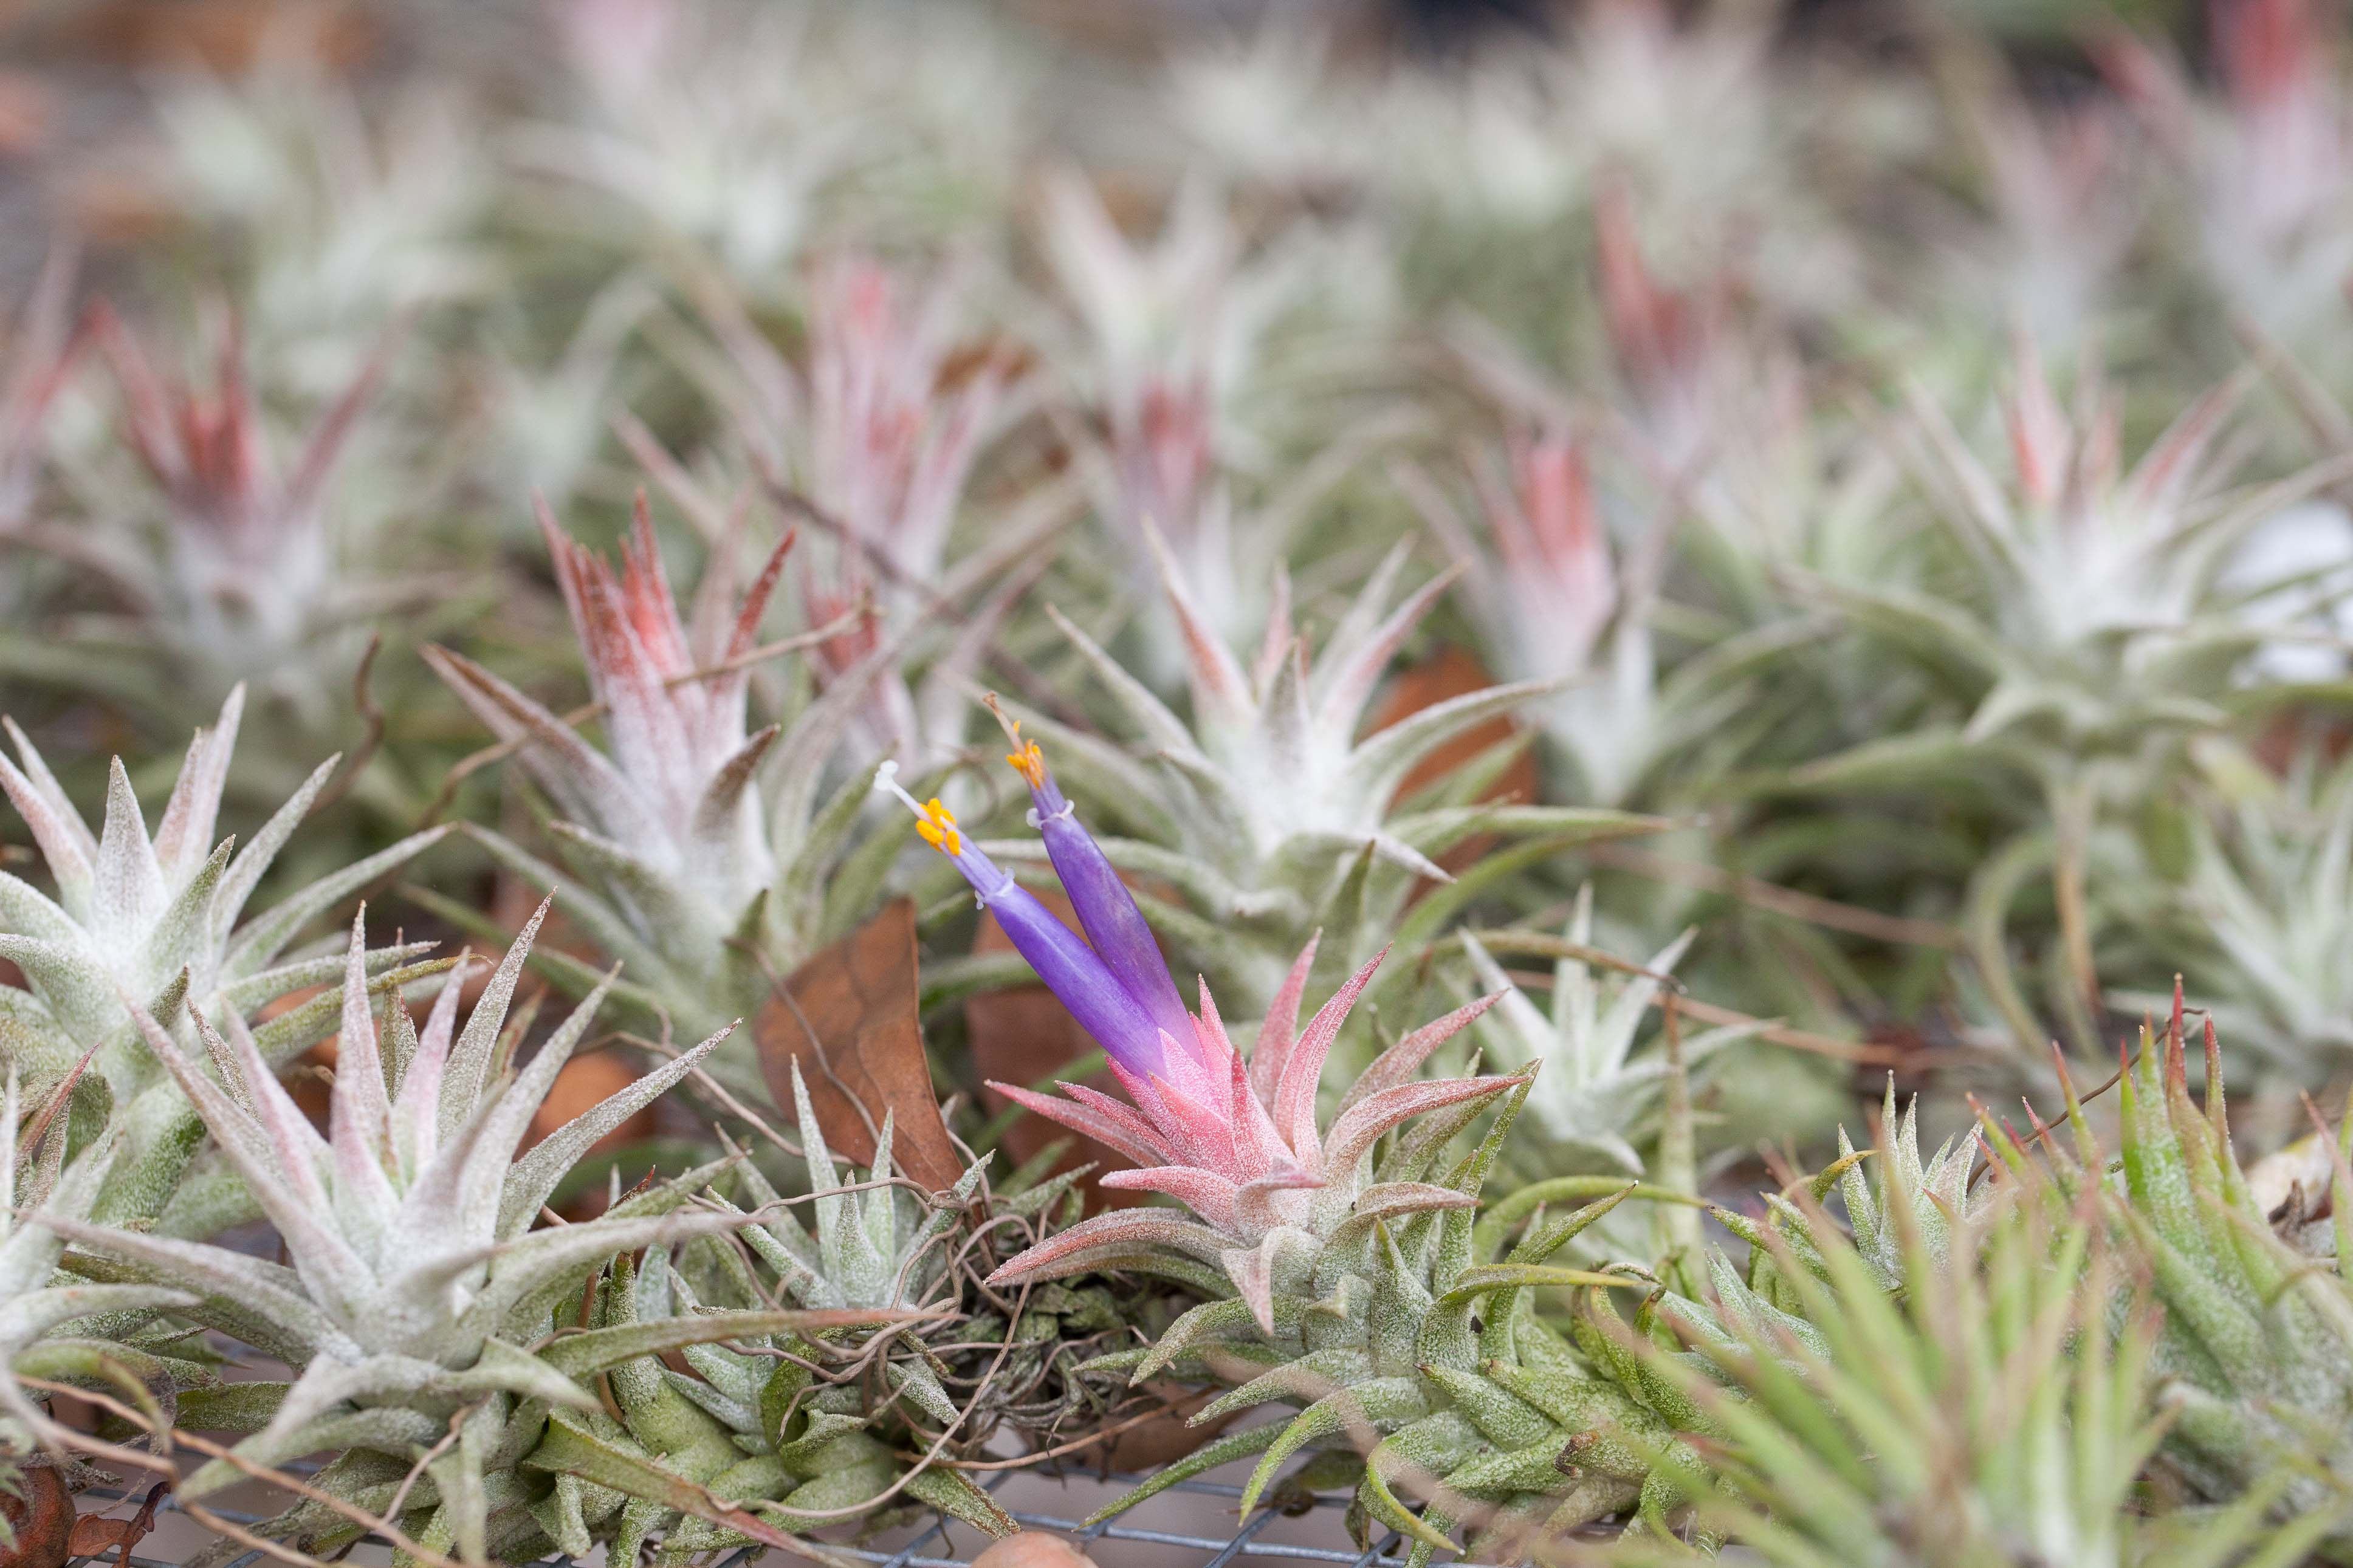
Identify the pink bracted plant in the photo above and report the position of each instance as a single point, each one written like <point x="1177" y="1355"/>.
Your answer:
<point x="893" y="431"/>
<point x="1562" y="607"/>
<point x="229" y="500"/>
<point x="235" y="567"/>
<point x="696" y="865"/>
<point x="42" y="348"/>
<point x="878" y="434"/>
<point x="1666" y="341"/>
<point x="2270" y="161"/>
<point x="1234" y="1138"/>
<point x="674" y="788"/>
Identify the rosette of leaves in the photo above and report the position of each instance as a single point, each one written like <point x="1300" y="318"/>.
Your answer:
<point x="2255" y="1362"/>
<point x="141" y="921"/>
<point x="56" y="1326"/>
<point x="687" y="854"/>
<point x="417" y="1290"/>
<point x="1997" y="1405"/>
<point x="1270" y="817"/>
<point x="1596" y="1099"/>
<point x="2084" y="634"/>
<point x="2260" y="916"/>
<point x="809" y="1429"/>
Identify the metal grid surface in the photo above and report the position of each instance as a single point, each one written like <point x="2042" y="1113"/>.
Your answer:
<point x="931" y="1548"/>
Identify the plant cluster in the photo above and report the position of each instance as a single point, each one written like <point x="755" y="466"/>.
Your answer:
<point x="1841" y="555"/>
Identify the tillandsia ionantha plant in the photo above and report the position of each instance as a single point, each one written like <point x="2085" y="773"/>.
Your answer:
<point x="150" y="926"/>
<point x="40" y="1311"/>
<point x="2253" y="1361"/>
<point x="225" y="564"/>
<point x="2098" y="645"/>
<point x="2253" y="913"/>
<point x="1595" y="1101"/>
<point x="706" y="883"/>
<point x="2257" y="211"/>
<point x="1354" y="1282"/>
<point x="1271" y="816"/>
<point x="669" y="139"/>
<point x="1992" y="729"/>
<point x="1179" y="364"/>
<point x="419" y="1298"/>
<point x="876" y="437"/>
<point x="1853" y="1426"/>
<point x="791" y="1420"/>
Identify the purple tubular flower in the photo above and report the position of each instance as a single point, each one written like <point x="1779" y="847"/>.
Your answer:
<point x="1107" y="912"/>
<point x="1071" y="969"/>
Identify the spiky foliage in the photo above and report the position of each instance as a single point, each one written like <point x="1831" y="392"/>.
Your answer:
<point x="41" y="348"/>
<point x="336" y="213"/>
<point x="408" y="1226"/>
<point x="1351" y="1273"/>
<point x="154" y="923"/>
<point x="222" y="562"/>
<point x="676" y="141"/>
<point x="57" y="1326"/>
<point x="1267" y="813"/>
<point x="2257" y="917"/>
<point x="1360" y="1297"/>
<point x="682" y="866"/>
<point x="753" y="1421"/>
<point x="1856" y="1425"/>
<point x="415" y="1281"/>
<point x="2099" y="620"/>
<point x="2063" y="202"/>
<point x="1559" y="611"/>
<point x="2264" y="159"/>
<point x="1206" y="356"/>
<point x="879" y="432"/>
<point x="2255" y="1360"/>
<point x="1594" y="1099"/>
<point x="2098" y="637"/>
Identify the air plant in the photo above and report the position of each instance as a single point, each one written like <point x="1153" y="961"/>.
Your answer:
<point x="225" y="564"/>
<point x="2063" y="202"/>
<point x="1179" y="362"/>
<point x="40" y="350"/>
<point x="1353" y="1293"/>
<point x="2268" y="162"/>
<point x="1595" y="1101"/>
<point x="675" y="133"/>
<point x="344" y="218"/>
<point x="37" y="1312"/>
<point x="1268" y="815"/>
<point x="150" y="927"/>
<point x="1861" y="1430"/>
<point x="1274" y="111"/>
<point x="2095" y="637"/>
<point x="876" y="438"/>
<point x="417" y="1283"/>
<point x="2253" y="1362"/>
<point x="1563" y="617"/>
<point x="2253" y="917"/>
<point x="704" y="883"/>
<point x="770" y="1427"/>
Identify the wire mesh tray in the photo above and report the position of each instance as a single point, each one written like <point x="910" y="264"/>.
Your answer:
<point x="1269" y="1535"/>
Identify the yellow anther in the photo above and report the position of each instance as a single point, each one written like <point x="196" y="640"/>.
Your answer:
<point x="936" y="826"/>
<point x="1028" y="762"/>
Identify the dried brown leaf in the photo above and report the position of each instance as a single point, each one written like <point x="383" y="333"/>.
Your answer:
<point x="849" y="1016"/>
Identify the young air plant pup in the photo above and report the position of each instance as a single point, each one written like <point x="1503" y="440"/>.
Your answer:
<point x="1346" y="1283"/>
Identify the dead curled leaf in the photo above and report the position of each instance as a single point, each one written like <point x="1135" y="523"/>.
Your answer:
<point x="94" y="1533"/>
<point x="849" y="1016"/>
